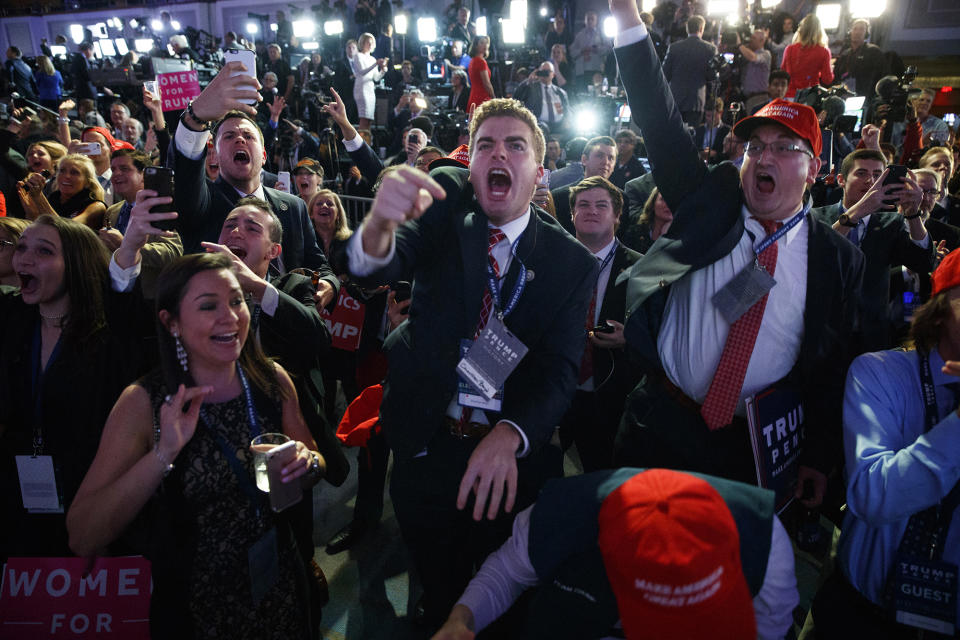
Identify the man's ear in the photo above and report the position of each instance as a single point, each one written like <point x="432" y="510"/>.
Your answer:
<point x="275" y="250"/>
<point x="813" y="170"/>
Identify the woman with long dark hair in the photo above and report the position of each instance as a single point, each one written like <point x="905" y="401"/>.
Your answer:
<point x="68" y="347"/>
<point x="225" y="564"/>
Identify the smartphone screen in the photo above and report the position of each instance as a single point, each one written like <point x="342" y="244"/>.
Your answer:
<point x="282" y="495"/>
<point x="249" y="59"/>
<point x="161" y="180"/>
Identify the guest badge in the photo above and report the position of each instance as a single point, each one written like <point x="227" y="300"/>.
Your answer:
<point x="491" y="358"/>
<point x="38" y="484"/>
<point x="264" y="563"/>
<point x="754" y="282"/>
<point x="925" y="594"/>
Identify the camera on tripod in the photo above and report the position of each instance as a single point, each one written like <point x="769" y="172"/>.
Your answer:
<point x="894" y="91"/>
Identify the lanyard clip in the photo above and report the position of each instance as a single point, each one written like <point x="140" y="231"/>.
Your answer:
<point x="37" y="445"/>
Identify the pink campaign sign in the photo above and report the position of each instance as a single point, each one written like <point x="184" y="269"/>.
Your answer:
<point x="72" y="598"/>
<point x="177" y="89"/>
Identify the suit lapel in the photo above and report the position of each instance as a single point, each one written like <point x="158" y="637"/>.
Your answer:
<point x="473" y="242"/>
<point x="525" y="249"/>
<point x="821" y="284"/>
<point x="607" y="309"/>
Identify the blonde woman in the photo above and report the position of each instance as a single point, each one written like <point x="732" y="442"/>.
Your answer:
<point x="78" y="194"/>
<point x="49" y="83"/>
<point x="367" y="70"/>
<point x="330" y="224"/>
<point x="807" y="60"/>
<point x="45" y="155"/>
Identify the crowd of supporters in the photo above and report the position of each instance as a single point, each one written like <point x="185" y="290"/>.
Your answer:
<point x="172" y="285"/>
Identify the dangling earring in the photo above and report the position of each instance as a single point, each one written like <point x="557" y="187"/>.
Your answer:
<point x="181" y="352"/>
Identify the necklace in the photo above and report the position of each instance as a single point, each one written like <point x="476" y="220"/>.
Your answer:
<point x="55" y="319"/>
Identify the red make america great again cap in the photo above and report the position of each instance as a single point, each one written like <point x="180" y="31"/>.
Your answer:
<point x="799" y="118"/>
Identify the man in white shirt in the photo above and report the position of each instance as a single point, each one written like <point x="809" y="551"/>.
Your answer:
<point x="787" y="285"/>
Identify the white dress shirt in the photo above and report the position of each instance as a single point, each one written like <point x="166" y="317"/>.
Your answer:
<point x="694" y="332"/>
<point x="602" y="280"/>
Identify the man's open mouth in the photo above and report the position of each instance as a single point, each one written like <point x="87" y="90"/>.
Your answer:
<point x="241" y="156"/>
<point x="765" y="183"/>
<point x="499" y="182"/>
<point x="238" y="251"/>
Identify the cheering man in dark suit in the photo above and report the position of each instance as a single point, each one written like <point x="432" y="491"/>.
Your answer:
<point x="701" y="367"/>
<point x="606" y="374"/>
<point x="883" y="237"/>
<point x="204" y="205"/>
<point x="478" y="251"/>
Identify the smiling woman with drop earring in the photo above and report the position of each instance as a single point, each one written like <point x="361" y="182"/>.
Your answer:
<point x="63" y="363"/>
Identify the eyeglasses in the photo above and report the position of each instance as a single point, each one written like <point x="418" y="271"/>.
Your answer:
<point x="931" y="192"/>
<point x="755" y="148"/>
<point x="6" y="243"/>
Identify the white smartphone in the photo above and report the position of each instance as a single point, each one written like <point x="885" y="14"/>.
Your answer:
<point x="89" y="148"/>
<point x="282" y="495"/>
<point x="249" y="60"/>
<point x="283" y="181"/>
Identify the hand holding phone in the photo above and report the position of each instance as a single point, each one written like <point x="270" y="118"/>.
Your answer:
<point x="249" y="60"/>
<point x="895" y="176"/>
<point x="161" y="180"/>
<point x="604" y="328"/>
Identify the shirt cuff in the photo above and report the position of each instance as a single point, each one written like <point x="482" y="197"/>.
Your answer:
<point x="525" y="449"/>
<point x="191" y="144"/>
<point x="361" y="263"/>
<point x="121" y="279"/>
<point x="631" y="35"/>
<point x="923" y="242"/>
<point x="353" y="144"/>
<point x="270" y="300"/>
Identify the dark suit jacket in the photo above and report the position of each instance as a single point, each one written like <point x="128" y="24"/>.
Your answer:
<point x="203" y="206"/>
<point x="886" y="244"/>
<point x="685" y="66"/>
<point x="950" y="214"/>
<point x="622" y="175"/>
<point x="80" y="72"/>
<point x="446" y="250"/>
<point x="707" y="225"/>
<point x="531" y="95"/>
<point x="613" y="373"/>
<point x="939" y="230"/>
<point x="717" y="145"/>
<point x="298" y="338"/>
<point x="368" y="162"/>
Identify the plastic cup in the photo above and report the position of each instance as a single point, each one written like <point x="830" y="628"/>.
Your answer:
<point x="259" y="446"/>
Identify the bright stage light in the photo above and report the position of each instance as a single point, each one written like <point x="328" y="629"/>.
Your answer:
<point x="156" y="25"/>
<point x="829" y="15"/>
<point x="587" y="121"/>
<point x="721" y="7"/>
<point x="769" y="4"/>
<point x="333" y="27"/>
<point x="513" y="31"/>
<point x="427" y="29"/>
<point x="303" y="28"/>
<point x="867" y="8"/>
<point x="400" y="24"/>
<point x="609" y="27"/>
<point x="482" y="26"/>
<point x="252" y="28"/>
<point x="58" y="50"/>
<point x="76" y="33"/>
<point x="311" y="46"/>
<point x="143" y="45"/>
<point x="97" y="53"/>
<point x="134" y="23"/>
<point x="518" y="11"/>
<point x="274" y="26"/>
<point x="106" y="46"/>
<point x="175" y="24"/>
<point x="543" y="12"/>
<point x="122" y="48"/>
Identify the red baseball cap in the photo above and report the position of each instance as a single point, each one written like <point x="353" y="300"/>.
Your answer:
<point x="115" y="145"/>
<point x="459" y="157"/>
<point x="947" y="274"/>
<point x="672" y="554"/>
<point x="799" y="118"/>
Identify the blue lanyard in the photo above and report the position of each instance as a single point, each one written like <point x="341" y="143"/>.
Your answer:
<point x="243" y="478"/>
<point x="773" y="237"/>
<point x="494" y="284"/>
<point x="608" y="259"/>
<point x="931" y="414"/>
<point x="37" y="383"/>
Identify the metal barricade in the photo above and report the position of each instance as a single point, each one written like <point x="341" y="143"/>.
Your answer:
<point x="356" y="209"/>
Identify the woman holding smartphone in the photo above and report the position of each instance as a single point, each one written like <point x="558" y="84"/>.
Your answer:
<point x="224" y="565"/>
